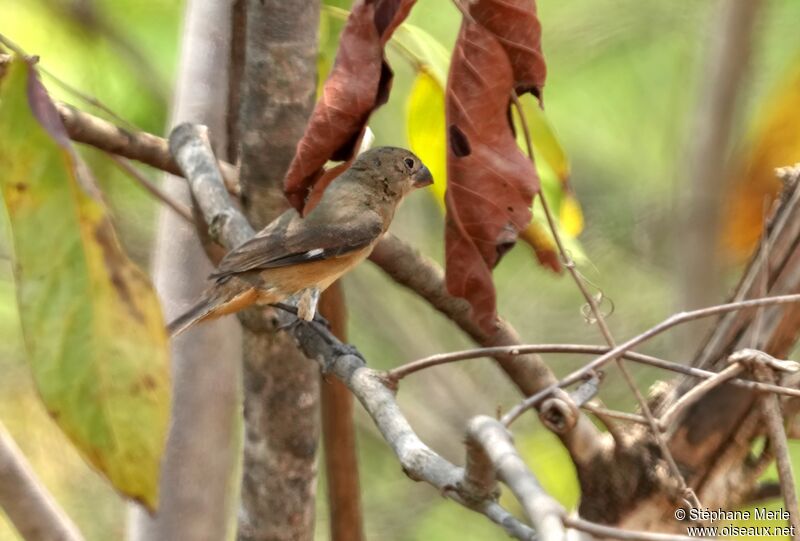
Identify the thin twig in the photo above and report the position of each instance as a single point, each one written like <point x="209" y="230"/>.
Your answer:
<point x="180" y="209"/>
<point x="90" y="100"/>
<point x="604" y="330"/>
<point x="672" y="321"/>
<point x="400" y="372"/>
<point x="697" y="392"/>
<point x="763" y="255"/>
<point x="773" y="415"/>
<point x="31" y="509"/>
<point x="135" y="145"/>
<point x="614" y="414"/>
<point x="601" y="531"/>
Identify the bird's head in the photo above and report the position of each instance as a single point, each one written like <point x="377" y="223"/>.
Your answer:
<point x="398" y="169"/>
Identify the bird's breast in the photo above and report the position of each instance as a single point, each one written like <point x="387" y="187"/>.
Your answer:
<point x="289" y="280"/>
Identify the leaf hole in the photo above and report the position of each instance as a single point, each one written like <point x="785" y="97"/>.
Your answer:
<point x="459" y="143"/>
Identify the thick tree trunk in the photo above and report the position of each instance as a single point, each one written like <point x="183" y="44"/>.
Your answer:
<point x="277" y="94"/>
<point x="197" y="484"/>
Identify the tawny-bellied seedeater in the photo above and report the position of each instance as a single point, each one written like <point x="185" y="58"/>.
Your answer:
<point x="304" y="255"/>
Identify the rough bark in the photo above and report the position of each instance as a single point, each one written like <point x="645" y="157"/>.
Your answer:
<point x="202" y="450"/>
<point x="277" y="93"/>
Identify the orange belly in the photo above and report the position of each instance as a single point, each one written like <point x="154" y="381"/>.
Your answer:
<point x="278" y="284"/>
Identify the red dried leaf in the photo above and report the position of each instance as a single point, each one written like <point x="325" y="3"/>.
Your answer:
<point x="359" y="83"/>
<point x="491" y="183"/>
<point x="515" y="24"/>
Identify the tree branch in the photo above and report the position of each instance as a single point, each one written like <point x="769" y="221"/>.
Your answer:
<point x="665" y="325"/>
<point x="25" y="500"/>
<point x="339" y="435"/>
<point x="369" y="386"/>
<point x="191" y="147"/>
<point x="495" y="441"/>
<point x="406" y="266"/>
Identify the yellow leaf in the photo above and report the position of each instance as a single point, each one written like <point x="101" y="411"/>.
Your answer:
<point x="425" y="122"/>
<point x="546" y="146"/>
<point x="571" y="216"/>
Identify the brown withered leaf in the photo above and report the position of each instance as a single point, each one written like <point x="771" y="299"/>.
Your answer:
<point x="515" y="24"/>
<point x="491" y="183"/>
<point x="359" y="83"/>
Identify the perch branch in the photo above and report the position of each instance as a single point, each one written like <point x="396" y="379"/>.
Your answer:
<point x="494" y="440"/>
<point x="25" y="500"/>
<point x="409" y="268"/>
<point x="190" y="145"/>
<point x="369" y="387"/>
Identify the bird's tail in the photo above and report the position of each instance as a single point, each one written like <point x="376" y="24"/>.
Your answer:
<point x="197" y="313"/>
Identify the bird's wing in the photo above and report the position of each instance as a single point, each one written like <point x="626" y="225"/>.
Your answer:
<point x="290" y="240"/>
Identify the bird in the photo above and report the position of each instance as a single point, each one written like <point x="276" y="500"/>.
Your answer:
<point x="303" y="255"/>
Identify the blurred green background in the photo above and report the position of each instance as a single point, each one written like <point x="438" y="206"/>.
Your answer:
<point x="622" y="85"/>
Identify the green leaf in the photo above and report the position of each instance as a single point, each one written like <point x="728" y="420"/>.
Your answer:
<point x="92" y="325"/>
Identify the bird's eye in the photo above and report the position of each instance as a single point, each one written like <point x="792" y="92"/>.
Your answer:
<point x="409" y="163"/>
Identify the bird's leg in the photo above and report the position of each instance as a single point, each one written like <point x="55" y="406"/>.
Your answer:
<point x="320" y="326"/>
<point x="304" y="306"/>
<point x="307" y="304"/>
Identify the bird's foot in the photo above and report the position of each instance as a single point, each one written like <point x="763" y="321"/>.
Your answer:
<point x="318" y="318"/>
<point x="341" y="349"/>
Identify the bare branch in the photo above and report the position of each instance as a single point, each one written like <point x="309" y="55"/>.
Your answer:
<point x="655" y="429"/>
<point x="25" y="500"/>
<point x="614" y="414"/>
<point x="400" y="372"/>
<point x="685" y="401"/>
<point x="339" y="435"/>
<point x="607" y="532"/>
<point x="408" y="267"/>
<point x="90" y="100"/>
<point x="494" y="440"/>
<point x="672" y="321"/>
<point x="180" y="209"/>
<point x="419" y="462"/>
<point x="764" y="371"/>
<point x="140" y="146"/>
<point x="190" y="145"/>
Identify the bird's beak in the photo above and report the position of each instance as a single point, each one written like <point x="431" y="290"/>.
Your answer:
<point x="422" y="178"/>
